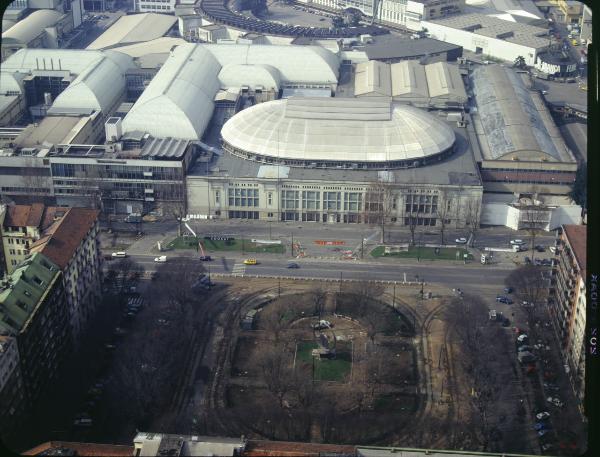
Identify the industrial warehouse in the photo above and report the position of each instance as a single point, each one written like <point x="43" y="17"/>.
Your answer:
<point x="271" y="132"/>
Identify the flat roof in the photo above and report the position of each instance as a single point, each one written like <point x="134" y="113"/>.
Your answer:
<point x="493" y="27"/>
<point x="52" y="129"/>
<point x="134" y="28"/>
<point x="393" y="47"/>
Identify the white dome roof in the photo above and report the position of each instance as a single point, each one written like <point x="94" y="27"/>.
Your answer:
<point x="336" y="130"/>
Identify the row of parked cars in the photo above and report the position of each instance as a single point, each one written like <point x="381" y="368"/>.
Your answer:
<point x="218" y="11"/>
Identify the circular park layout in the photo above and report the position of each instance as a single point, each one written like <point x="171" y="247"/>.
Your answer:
<point x="325" y="366"/>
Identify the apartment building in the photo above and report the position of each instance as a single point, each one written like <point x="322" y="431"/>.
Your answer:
<point x="12" y="393"/>
<point x="567" y="302"/>
<point x="21" y="226"/>
<point x="73" y="244"/>
<point x="155" y="6"/>
<point x="66" y="236"/>
<point x="33" y="311"/>
<point x="569" y="11"/>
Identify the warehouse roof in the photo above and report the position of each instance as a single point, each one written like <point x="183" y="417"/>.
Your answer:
<point x="392" y="47"/>
<point x="134" y="28"/>
<point x="337" y="129"/>
<point x="493" y="27"/>
<point x="164" y="148"/>
<point x="161" y="45"/>
<point x="409" y="79"/>
<point x="178" y="102"/>
<point x="30" y="27"/>
<point x="295" y="63"/>
<point x="512" y="122"/>
<point x="99" y="75"/>
<point x="237" y="75"/>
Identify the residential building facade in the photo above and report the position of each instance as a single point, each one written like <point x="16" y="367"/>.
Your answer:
<point x="567" y="302"/>
<point x="12" y="394"/>
<point x="155" y="6"/>
<point x="73" y="244"/>
<point x="33" y="310"/>
<point x="20" y="227"/>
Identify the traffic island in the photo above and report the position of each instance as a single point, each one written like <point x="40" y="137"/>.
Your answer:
<point x="422" y="252"/>
<point x="229" y="244"/>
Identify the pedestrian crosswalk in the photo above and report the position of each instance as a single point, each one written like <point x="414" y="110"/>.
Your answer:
<point x="238" y="269"/>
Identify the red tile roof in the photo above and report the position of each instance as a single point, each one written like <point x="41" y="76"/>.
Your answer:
<point x="255" y="448"/>
<point x="577" y="236"/>
<point x="35" y="215"/>
<point x="60" y="241"/>
<point x="84" y="449"/>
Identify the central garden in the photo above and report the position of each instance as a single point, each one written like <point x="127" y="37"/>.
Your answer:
<point x="333" y="366"/>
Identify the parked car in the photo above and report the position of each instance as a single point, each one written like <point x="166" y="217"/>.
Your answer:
<point x="460" y="240"/>
<point x="161" y="259"/>
<point x="540" y="248"/>
<point x="553" y="249"/>
<point x="250" y="262"/>
<point x="547" y="447"/>
<point x="322" y="325"/>
<point x="517" y="242"/>
<point x="83" y="422"/>
<point x="205" y="258"/>
<point x="292" y="265"/>
<point x="542" y="426"/>
<point x="523" y="337"/>
<point x="503" y="299"/>
<point x="508" y="290"/>
<point x="120" y="254"/>
<point x="546" y="262"/>
<point x="524" y="348"/>
<point x="542" y="416"/>
<point x="505" y="321"/>
<point x="543" y="432"/>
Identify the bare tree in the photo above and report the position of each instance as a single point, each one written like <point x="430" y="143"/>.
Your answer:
<point x="535" y="218"/>
<point x="444" y="210"/>
<point x="274" y="363"/>
<point x="319" y="297"/>
<point x="529" y="286"/>
<point x="473" y="218"/>
<point x="177" y="211"/>
<point x="177" y="280"/>
<point x="410" y="220"/>
<point x="275" y="318"/>
<point x="380" y="200"/>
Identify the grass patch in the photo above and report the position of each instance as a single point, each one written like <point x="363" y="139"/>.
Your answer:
<point x="189" y="242"/>
<point x="426" y="253"/>
<point x="327" y="369"/>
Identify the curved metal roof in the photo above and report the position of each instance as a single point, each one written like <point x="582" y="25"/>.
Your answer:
<point x="237" y="75"/>
<point x="28" y="28"/>
<point x="178" y="102"/>
<point x="346" y="129"/>
<point x="509" y="117"/>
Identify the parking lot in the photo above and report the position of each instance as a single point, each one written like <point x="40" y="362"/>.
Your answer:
<point x="296" y="15"/>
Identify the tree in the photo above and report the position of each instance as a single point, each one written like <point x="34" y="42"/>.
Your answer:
<point x="380" y="203"/>
<point x="177" y="211"/>
<point x="319" y="297"/>
<point x="534" y="219"/>
<point x="274" y="363"/>
<point x="520" y="62"/>
<point x="177" y="282"/>
<point x="473" y="217"/>
<point x="274" y="318"/>
<point x="528" y="284"/>
<point x="444" y="210"/>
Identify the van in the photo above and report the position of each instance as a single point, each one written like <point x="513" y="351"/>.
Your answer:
<point x="119" y="254"/>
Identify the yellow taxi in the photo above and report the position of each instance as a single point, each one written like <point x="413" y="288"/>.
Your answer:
<point x="250" y="262"/>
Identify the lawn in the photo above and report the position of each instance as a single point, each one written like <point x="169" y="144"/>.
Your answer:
<point x="189" y="242"/>
<point x="415" y="252"/>
<point x="327" y="369"/>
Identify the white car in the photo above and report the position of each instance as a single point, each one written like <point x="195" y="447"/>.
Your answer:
<point x="553" y="249"/>
<point x="517" y="242"/>
<point x="542" y="416"/>
<point x="522" y="338"/>
<point x="460" y="240"/>
<point x="120" y="254"/>
<point x="161" y="259"/>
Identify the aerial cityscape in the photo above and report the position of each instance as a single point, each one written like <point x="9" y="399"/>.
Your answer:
<point x="342" y="228"/>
